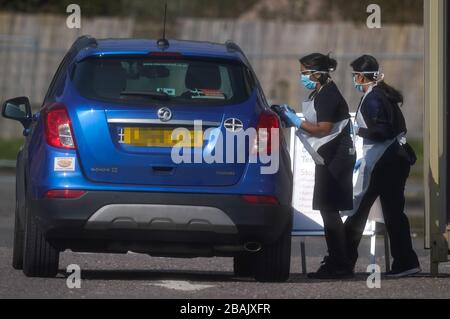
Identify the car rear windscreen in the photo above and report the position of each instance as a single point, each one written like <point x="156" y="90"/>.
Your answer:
<point x="180" y="81"/>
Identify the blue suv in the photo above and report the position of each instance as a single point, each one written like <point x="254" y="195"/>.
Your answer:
<point x="100" y="169"/>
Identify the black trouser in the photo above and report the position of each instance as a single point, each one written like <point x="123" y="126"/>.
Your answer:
<point x="387" y="182"/>
<point x="335" y="236"/>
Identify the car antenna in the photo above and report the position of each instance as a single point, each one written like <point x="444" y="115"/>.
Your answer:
<point x="163" y="43"/>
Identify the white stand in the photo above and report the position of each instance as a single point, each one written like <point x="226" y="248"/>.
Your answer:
<point x="371" y="232"/>
<point x="373" y="243"/>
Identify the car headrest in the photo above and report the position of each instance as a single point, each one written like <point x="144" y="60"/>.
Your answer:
<point x="110" y="79"/>
<point x="203" y="76"/>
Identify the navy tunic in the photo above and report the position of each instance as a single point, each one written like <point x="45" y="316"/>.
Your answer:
<point x="334" y="181"/>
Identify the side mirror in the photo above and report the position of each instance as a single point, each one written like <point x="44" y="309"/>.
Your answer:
<point x="18" y="109"/>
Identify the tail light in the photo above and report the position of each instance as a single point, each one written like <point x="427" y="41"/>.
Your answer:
<point x="255" y="199"/>
<point x="58" y="128"/>
<point x="64" y="194"/>
<point x="268" y="122"/>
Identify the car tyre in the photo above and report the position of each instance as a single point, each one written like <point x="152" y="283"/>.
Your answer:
<point x="19" y="235"/>
<point x="41" y="259"/>
<point x="274" y="261"/>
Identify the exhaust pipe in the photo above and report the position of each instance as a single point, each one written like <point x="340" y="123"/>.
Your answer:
<point x="252" y="247"/>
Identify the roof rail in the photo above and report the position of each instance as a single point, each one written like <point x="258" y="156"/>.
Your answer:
<point x="233" y="47"/>
<point x="83" y="42"/>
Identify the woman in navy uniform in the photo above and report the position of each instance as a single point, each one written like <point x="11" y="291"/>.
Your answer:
<point x="385" y="166"/>
<point x="326" y="134"/>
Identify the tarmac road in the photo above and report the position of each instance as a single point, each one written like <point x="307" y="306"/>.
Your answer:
<point x="141" y="276"/>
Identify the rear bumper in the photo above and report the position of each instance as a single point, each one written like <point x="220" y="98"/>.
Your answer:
<point x="159" y="223"/>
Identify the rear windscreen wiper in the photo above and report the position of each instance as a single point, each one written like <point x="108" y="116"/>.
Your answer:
<point x="153" y="95"/>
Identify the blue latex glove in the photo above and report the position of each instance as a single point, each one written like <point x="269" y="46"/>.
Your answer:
<point x="287" y="108"/>
<point x="289" y="116"/>
<point x="357" y="165"/>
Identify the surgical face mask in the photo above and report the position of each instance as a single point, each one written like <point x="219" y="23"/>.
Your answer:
<point x="307" y="82"/>
<point x="358" y="87"/>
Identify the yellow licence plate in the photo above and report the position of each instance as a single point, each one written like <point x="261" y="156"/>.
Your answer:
<point x="161" y="137"/>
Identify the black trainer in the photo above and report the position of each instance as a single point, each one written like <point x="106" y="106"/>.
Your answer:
<point x="329" y="271"/>
<point x="403" y="272"/>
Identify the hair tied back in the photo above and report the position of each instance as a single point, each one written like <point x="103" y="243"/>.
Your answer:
<point x="332" y="63"/>
<point x="379" y="77"/>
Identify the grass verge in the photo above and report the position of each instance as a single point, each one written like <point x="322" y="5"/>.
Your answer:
<point x="10" y="148"/>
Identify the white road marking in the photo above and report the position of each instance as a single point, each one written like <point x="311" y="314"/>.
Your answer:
<point x="180" y="285"/>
